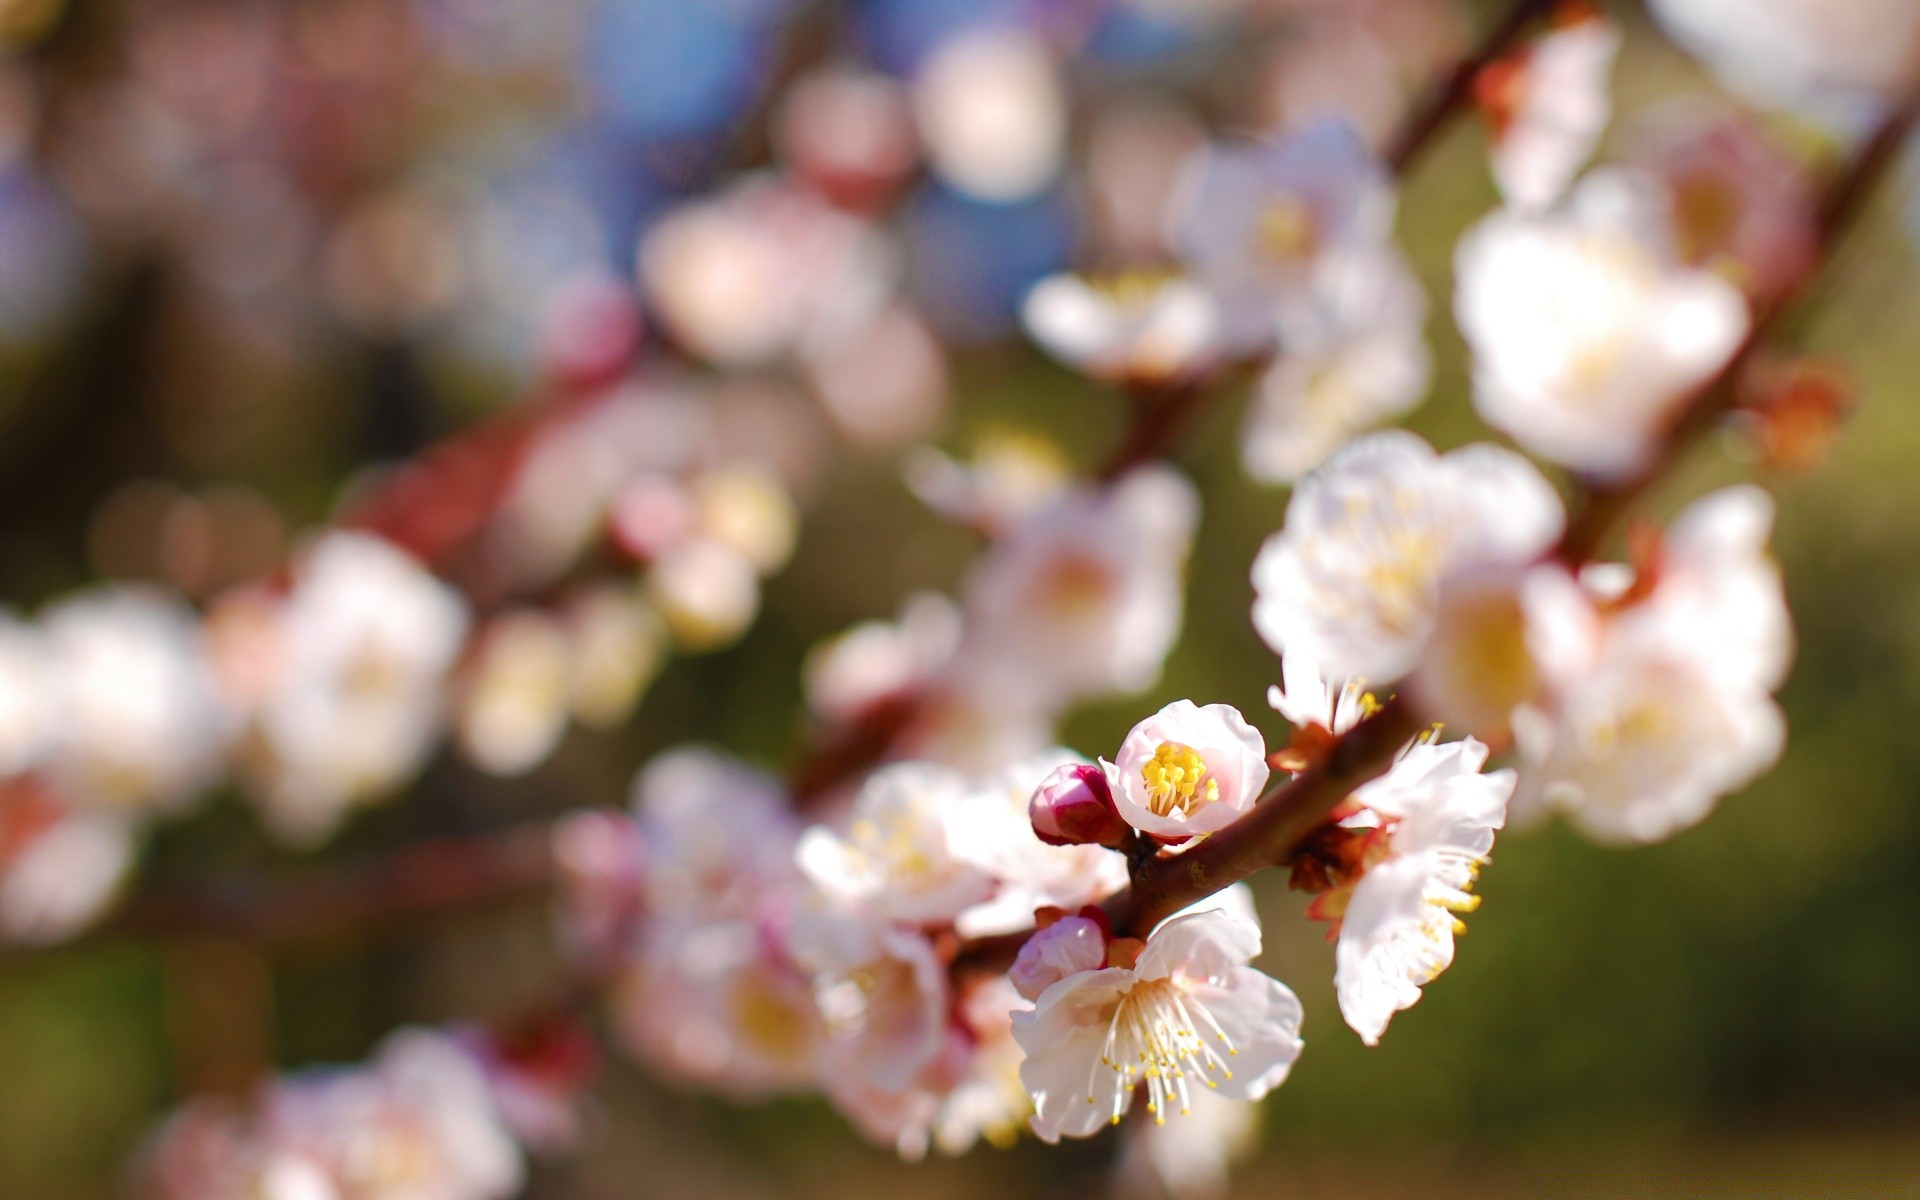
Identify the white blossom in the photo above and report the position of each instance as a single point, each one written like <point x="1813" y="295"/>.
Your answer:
<point x="366" y="639"/>
<point x="1424" y="828"/>
<point x="1352" y="580"/>
<point x="1800" y="52"/>
<point x="899" y="856"/>
<point x="418" y="1123"/>
<point x="59" y="867"/>
<point x="1188" y="770"/>
<point x="993" y="830"/>
<point x="1187" y="1014"/>
<point x="1084" y="597"/>
<point x="1356" y="357"/>
<point x="1137" y="327"/>
<point x="1586" y="337"/>
<point x="993" y="113"/>
<point x="884" y="997"/>
<point x="1550" y="116"/>
<point x="716" y="1002"/>
<point x="26" y="718"/>
<point x="1307" y="698"/>
<point x="139" y="723"/>
<point x="719" y="836"/>
<point x="874" y="660"/>
<point x="514" y="708"/>
<point x="1254" y="221"/>
<point x="1657" y="706"/>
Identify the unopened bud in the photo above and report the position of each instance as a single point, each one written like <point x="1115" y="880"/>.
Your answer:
<point x="1066" y="947"/>
<point x="1075" y="807"/>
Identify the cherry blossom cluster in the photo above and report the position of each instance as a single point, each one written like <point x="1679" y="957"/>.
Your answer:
<point x="331" y="686"/>
<point x="945" y="924"/>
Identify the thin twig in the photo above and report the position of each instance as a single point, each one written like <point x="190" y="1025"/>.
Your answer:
<point x="422" y="879"/>
<point x="1450" y="95"/>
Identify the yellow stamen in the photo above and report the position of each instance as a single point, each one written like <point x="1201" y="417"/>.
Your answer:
<point x="1177" y="781"/>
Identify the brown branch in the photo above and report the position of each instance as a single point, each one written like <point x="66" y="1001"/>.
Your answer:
<point x="1450" y="95"/>
<point x="381" y="891"/>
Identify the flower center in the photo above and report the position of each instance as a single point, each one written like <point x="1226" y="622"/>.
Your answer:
<point x="1159" y="1035"/>
<point x="1285" y="230"/>
<point x="1177" y="781"/>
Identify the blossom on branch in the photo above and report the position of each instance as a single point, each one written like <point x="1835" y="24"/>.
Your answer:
<point x="1397" y="869"/>
<point x="1659" y="699"/>
<point x="1587" y="336"/>
<point x="1187" y="771"/>
<point x="1352" y="580"/>
<point x="1181" y="1013"/>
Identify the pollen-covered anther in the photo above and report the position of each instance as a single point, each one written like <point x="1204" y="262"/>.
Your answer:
<point x="1177" y="780"/>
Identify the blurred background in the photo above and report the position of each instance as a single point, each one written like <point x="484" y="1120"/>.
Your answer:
<point x="252" y="251"/>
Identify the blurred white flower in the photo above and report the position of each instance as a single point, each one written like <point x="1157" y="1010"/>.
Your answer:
<point x="1083" y="598"/>
<point x="719" y="836"/>
<point x="1010" y="474"/>
<point x="1188" y="1160"/>
<point x="417" y="1123"/>
<point x="617" y="645"/>
<point x="513" y="709"/>
<point x="209" y="1150"/>
<point x="601" y="859"/>
<point x="139" y="723"/>
<point x="993" y="113"/>
<point x="900" y="856"/>
<point x="58" y="867"/>
<point x="884" y="996"/>
<point x="874" y="660"/>
<point x="1405" y="865"/>
<point x="848" y="132"/>
<point x="884" y="383"/>
<point x="1548" y="108"/>
<point x="1254" y="222"/>
<point x="1355" y="358"/>
<point x="755" y="272"/>
<point x="1188" y="770"/>
<point x="1353" y="579"/>
<point x="1140" y="328"/>
<point x="707" y="592"/>
<point x="366" y="640"/>
<point x="717" y="1003"/>
<point x="994" y="832"/>
<point x="1658" y="704"/>
<point x="743" y="507"/>
<point x="988" y="1100"/>
<point x="1586" y="338"/>
<point x="1800" y="52"/>
<point x="1181" y="1013"/>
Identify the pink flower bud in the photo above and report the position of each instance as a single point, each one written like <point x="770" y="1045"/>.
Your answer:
<point x="1075" y="807"/>
<point x="1066" y="947"/>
